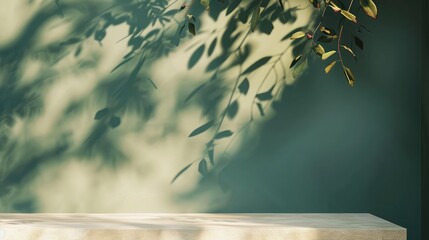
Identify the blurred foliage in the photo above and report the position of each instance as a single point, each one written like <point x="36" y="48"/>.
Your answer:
<point x="156" y="28"/>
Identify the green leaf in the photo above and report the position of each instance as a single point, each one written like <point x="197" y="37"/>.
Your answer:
<point x="196" y="56"/>
<point x="121" y="64"/>
<point x="244" y="86"/>
<point x="202" y="167"/>
<point x="191" y="28"/>
<point x="224" y="134"/>
<point x="89" y="32"/>
<point x="330" y="66"/>
<point x="71" y="41"/>
<point x="181" y="172"/>
<point x="215" y="63"/>
<point x="328" y="54"/>
<point x="256" y="65"/>
<point x="359" y="42"/>
<point x="99" y="35"/>
<point x="101" y="113"/>
<point x="281" y="4"/>
<point x="297" y="35"/>
<point x="212" y="47"/>
<point x="211" y="156"/>
<point x="232" y="6"/>
<point x="114" y="122"/>
<point x="255" y="18"/>
<point x="206" y="4"/>
<point x="233" y="109"/>
<point x="260" y="108"/>
<point x="295" y="61"/>
<point x="136" y="42"/>
<point x="201" y="129"/>
<point x="195" y="91"/>
<point x="349" y="75"/>
<point x="266" y="26"/>
<point x="369" y="8"/>
<point x="78" y="51"/>
<point x="265" y="96"/>
<point x="350" y="16"/>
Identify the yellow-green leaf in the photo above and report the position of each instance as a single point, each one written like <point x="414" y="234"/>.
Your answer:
<point x="369" y="8"/>
<point x="297" y="35"/>
<point x="350" y="16"/>
<point x="349" y="50"/>
<point x="327" y="31"/>
<point x="206" y="4"/>
<point x="330" y="66"/>
<point x="334" y="7"/>
<point x="328" y="54"/>
<point x="319" y="50"/>
<point x="295" y="61"/>
<point x="349" y="76"/>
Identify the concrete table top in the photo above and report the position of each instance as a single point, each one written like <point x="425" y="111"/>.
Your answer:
<point x="150" y="226"/>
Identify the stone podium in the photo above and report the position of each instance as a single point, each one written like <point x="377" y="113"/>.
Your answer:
<point x="148" y="226"/>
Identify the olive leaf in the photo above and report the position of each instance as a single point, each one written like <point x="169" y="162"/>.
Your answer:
<point x="232" y="109"/>
<point x="319" y="50"/>
<point x="244" y="86"/>
<point x="201" y="129"/>
<point x="212" y="47"/>
<point x="328" y="54"/>
<point x="327" y="31"/>
<point x="349" y="75"/>
<point x="297" y="35"/>
<point x="260" y="108"/>
<point x="206" y="4"/>
<point x="295" y="60"/>
<point x="195" y="91"/>
<point x="334" y="6"/>
<point x="114" y="122"/>
<point x="211" y="156"/>
<point x="350" y="16"/>
<point x="202" y="167"/>
<point x="255" y="18"/>
<point x="369" y="8"/>
<point x="224" y="134"/>
<point x="101" y="113"/>
<point x="256" y="65"/>
<point x="181" y="172"/>
<point x="265" y="96"/>
<point x="191" y="28"/>
<point x="232" y="6"/>
<point x="350" y="51"/>
<point x="281" y="4"/>
<point x="330" y="66"/>
<point x="196" y="56"/>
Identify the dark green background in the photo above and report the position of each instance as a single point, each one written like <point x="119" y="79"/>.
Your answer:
<point x="332" y="148"/>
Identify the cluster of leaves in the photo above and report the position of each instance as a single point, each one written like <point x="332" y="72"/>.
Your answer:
<point x="329" y="35"/>
<point x="262" y="14"/>
<point x="149" y="22"/>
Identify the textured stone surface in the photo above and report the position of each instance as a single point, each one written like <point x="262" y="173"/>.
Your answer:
<point x="197" y="226"/>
